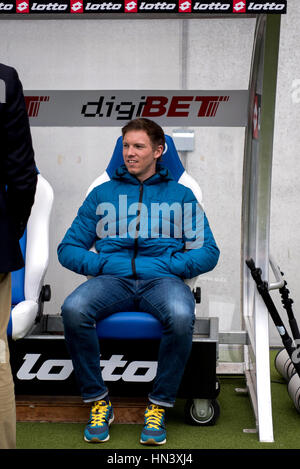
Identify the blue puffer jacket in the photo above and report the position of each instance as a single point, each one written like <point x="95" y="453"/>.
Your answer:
<point x="135" y="236"/>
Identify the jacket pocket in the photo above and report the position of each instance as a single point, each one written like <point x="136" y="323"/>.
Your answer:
<point x="178" y="265"/>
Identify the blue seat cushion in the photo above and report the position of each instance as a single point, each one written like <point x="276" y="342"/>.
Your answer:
<point x="129" y="325"/>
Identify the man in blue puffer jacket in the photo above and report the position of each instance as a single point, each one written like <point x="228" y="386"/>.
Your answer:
<point x="150" y="233"/>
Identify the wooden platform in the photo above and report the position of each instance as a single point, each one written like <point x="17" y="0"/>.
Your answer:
<point x="73" y="410"/>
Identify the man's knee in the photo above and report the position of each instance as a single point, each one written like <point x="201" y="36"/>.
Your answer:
<point x="181" y="317"/>
<point x="72" y="310"/>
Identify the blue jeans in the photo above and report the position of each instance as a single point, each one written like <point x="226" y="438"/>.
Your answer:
<point x="170" y="300"/>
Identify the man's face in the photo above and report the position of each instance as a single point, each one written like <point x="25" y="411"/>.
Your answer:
<point x="139" y="155"/>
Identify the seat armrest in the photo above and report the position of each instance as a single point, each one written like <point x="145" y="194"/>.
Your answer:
<point x="37" y="246"/>
<point x="23" y="318"/>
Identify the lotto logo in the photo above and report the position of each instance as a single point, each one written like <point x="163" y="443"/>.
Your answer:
<point x="22" y="6"/>
<point x="76" y="6"/>
<point x="6" y="7"/>
<point x="131" y="6"/>
<point x="185" y="6"/>
<point x="239" y="6"/>
<point x="35" y="367"/>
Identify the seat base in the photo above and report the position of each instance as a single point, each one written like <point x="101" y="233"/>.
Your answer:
<point x="41" y="364"/>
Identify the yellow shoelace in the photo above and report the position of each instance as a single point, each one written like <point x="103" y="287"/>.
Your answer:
<point x="98" y="413"/>
<point x="153" y="416"/>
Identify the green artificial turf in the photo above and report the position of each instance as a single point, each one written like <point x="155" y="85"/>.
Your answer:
<point x="228" y="433"/>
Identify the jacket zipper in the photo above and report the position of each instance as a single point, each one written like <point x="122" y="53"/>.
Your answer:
<point x="141" y="189"/>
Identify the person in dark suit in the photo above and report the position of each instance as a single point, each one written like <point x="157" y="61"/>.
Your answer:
<point x="18" y="179"/>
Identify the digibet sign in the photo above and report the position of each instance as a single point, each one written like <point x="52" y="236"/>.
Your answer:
<point x="115" y="107"/>
<point x="76" y="7"/>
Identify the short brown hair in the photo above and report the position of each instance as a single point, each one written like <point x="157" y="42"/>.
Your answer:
<point x="153" y="130"/>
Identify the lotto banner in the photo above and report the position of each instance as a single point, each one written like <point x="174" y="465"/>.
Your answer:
<point x="112" y="108"/>
<point x="77" y="7"/>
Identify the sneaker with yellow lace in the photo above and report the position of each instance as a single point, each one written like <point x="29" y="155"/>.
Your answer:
<point x="101" y="416"/>
<point x="154" y="431"/>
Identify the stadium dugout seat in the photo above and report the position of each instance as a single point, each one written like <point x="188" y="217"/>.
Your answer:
<point x="141" y="325"/>
<point x="28" y="290"/>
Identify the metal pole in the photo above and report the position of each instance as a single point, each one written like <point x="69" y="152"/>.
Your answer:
<point x="183" y="59"/>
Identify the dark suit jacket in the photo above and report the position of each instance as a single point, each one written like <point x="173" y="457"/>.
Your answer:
<point x="18" y="174"/>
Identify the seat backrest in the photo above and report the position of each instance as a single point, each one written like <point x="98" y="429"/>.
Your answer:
<point x="18" y="277"/>
<point x="34" y="244"/>
<point x="170" y="159"/>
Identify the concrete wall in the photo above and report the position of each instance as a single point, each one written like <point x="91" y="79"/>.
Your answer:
<point x="103" y="54"/>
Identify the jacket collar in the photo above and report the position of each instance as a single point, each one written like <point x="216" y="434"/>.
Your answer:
<point x="162" y="174"/>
